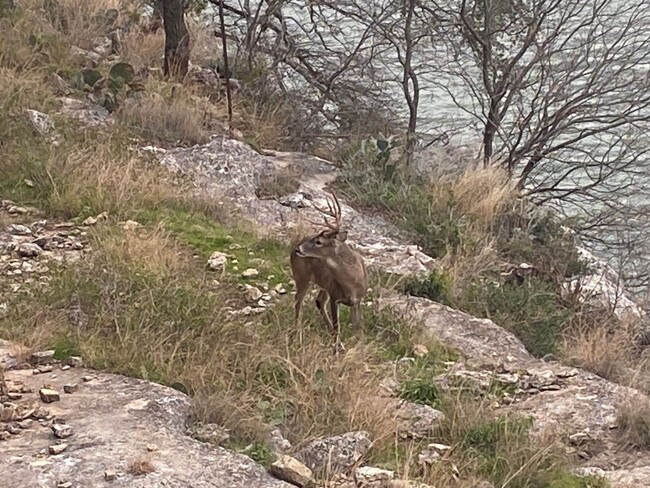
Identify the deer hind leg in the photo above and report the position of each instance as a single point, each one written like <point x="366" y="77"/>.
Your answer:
<point x="336" y="326"/>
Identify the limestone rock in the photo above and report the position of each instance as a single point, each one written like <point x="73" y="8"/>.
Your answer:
<point x="62" y="431"/>
<point x="42" y="122"/>
<point x="48" y="395"/>
<point x="42" y="357"/>
<point x="74" y="361"/>
<point x="253" y="293"/>
<point x="417" y="421"/>
<point x="211" y="433"/>
<point x="250" y="273"/>
<point x="19" y="230"/>
<point x="293" y="471"/>
<point x="278" y="443"/>
<point x="217" y="261"/>
<point x="335" y="454"/>
<point x="57" y="448"/>
<point x="131" y="225"/>
<point x="115" y="418"/>
<point x="369" y="476"/>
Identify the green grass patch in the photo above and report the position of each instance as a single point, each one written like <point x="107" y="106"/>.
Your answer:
<point x="206" y="235"/>
<point x="420" y="391"/>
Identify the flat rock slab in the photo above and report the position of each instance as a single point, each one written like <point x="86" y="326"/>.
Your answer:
<point x="115" y="419"/>
<point x="232" y="170"/>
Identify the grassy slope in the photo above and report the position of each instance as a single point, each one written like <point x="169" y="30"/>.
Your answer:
<point x="150" y="287"/>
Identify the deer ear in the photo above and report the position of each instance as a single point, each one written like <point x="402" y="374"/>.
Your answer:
<point x="342" y="235"/>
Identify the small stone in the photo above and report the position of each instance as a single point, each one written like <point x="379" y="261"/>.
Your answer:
<point x="250" y="273"/>
<point x="253" y="293"/>
<point x="110" y="474"/>
<point x="13" y="428"/>
<point x="279" y="288"/>
<point x="39" y="414"/>
<point x="29" y="250"/>
<point x="16" y="210"/>
<point x="12" y="396"/>
<point x="19" y="230"/>
<point x="42" y="357"/>
<point x="25" y="424"/>
<point x="71" y="388"/>
<point x="65" y="367"/>
<point x="87" y="378"/>
<point x="152" y="447"/>
<point x="333" y="455"/>
<point x="292" y="471"/>
<point x="57" y="448"/>
<point x="4" y="435"/>
<point x="64" y="484"/>
<point x="46" y="368"/>
<point x="131" y="225"/>
<point x="365" y="475"/>
<point x="420" y="350"/>
<point x="42" y="122"/>
<point x="217" y="261"/>
<point x="48" y="395"/>
<point x="74" y="361"/>
<point x="62" y="430"/>
<point x="278" y="443"/>
<point x="90" y="221"/>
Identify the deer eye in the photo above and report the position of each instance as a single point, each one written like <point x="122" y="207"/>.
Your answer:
<point x="318" y="242"/>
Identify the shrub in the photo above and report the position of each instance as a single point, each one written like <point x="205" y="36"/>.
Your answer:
<point x="435" y="286"/>
<point x="532" y="311"/>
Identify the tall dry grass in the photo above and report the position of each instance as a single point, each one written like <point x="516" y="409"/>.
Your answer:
<point x="173" y="116"/>
<point x="247" y="374"/>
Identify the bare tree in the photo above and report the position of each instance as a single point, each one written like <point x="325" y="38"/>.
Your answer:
<point x="177" y="40"/>
<point x="559" y="83"/>
<point x="327" y="55"/>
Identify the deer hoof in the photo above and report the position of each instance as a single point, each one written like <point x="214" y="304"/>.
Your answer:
<point x="339" y="349"/>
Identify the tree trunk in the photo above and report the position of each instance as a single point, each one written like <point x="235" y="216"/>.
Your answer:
<point x="177" y="39"/>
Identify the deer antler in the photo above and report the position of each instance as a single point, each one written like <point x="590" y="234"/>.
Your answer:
<point x="333" y="210"/>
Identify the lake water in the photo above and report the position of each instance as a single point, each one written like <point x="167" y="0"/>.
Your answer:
<point x="447" y="104"/>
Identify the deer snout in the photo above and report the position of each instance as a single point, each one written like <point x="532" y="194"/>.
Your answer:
<point x="298" y="252"/>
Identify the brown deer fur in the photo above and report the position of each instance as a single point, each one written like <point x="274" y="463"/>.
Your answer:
<point x="325" y="259"/>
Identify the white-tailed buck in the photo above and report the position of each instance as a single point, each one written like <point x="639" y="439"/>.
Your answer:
<point x="325" y="259"/>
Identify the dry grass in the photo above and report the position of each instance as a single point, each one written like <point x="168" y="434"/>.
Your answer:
<point x="140" y="466"/>
<point x="75" y="19"/>
<point x="245" y="374"/>
<point x="100" y="180"/>
<point x="175" y="117"/>
<point x="143" y="49"/>
<point x="480" y="195"/>
<point x="634" y="422"/>
<point x="484" y="448"/>
<point x="608" y="351"/>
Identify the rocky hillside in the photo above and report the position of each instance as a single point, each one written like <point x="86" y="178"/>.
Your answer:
<point x="147" y="307"/>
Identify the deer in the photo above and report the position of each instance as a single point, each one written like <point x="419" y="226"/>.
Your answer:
<point x="326" y="260"/>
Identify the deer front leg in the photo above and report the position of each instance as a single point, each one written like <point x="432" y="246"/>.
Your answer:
<point x="321" y="301"/>
<point x="356" y="316"/>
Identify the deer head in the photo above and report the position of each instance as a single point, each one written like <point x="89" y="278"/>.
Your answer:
<point x="325" y="243"/>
